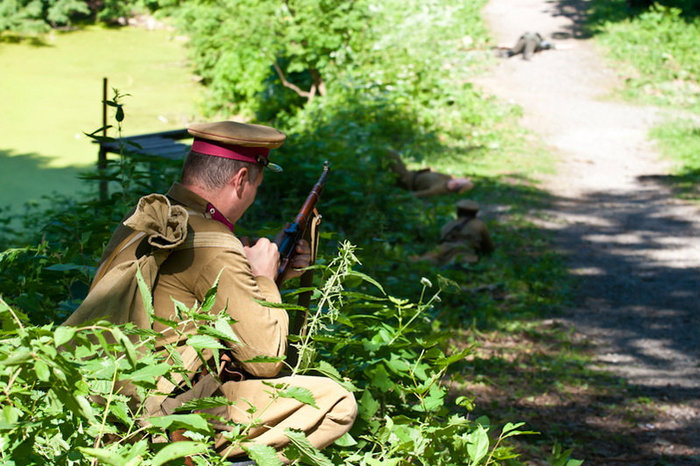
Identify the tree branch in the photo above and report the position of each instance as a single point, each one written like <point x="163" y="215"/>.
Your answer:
<point x="308" y="94"/>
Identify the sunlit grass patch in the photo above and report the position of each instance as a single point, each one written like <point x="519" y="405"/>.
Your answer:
<point x="680" y="141"/>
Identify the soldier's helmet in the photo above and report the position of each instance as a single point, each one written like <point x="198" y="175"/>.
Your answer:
<point x="467" y="207"/>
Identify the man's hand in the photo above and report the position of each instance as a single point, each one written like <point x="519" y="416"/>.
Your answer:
<point x="264" y="258"/>
<point x="301" y="259"/>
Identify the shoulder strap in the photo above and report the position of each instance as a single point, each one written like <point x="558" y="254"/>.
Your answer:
<point x="457" y="226"/>
<point x="104" y="267"/>
<point x="210" y="239"/>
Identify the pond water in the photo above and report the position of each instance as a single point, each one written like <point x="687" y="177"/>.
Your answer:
<point x="50" y="94"/>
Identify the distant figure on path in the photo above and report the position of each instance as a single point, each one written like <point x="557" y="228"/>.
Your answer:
<point x="425" y="182"/>
<point x="527" y="44"/>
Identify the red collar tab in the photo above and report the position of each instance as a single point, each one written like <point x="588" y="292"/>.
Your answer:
<point x="231" y="151"/>
<point x="219" y="217"/>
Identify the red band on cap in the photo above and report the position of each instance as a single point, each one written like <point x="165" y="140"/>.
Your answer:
<point x="230" y="151"/>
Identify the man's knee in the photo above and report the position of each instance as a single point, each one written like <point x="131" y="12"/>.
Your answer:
<point x="345" y="410"/>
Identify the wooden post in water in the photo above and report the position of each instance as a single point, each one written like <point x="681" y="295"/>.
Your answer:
<point x="102" y="154"/>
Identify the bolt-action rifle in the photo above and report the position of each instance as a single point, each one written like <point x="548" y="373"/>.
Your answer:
<point x="296" y="230"/>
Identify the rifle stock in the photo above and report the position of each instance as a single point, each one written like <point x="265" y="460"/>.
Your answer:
<point x="296" y="230"/>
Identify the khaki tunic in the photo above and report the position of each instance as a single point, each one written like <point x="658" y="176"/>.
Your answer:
<point x="186" y="276"/>
<point x="422" y="182"/>
<point x="461" y="241"/>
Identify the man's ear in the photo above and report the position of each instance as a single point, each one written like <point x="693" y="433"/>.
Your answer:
<point x="239" y="179"/>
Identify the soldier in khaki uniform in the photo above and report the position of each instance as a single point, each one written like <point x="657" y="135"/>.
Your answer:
<point x="220" y="178"/>
<point x="463" y="239"/>
<point x="528" y="44"/>
<point x="425" y="182"/>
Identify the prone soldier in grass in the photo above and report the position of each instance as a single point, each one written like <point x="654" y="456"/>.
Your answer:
<point x="220" y="179"/>
<point x="462" y="240"/>
<point x="425" y="182"/>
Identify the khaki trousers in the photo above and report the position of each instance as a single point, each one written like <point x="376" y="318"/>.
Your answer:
<point x="322" y="425"/>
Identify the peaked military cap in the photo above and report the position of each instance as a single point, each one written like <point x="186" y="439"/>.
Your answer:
<point x="237" y="141"/>
<point x="467" y="205"/>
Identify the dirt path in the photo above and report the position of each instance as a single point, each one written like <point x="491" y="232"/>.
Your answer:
<point x="635" y="249"/>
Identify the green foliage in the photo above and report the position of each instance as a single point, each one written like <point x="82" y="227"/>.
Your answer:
<point x="31" y="17"/>
<point x="663" y="63"/>
<point x="37" y="16"/>
<point x="246" y="49"/>
<point x="680" y="141"/>
<point x="64" y="390"/>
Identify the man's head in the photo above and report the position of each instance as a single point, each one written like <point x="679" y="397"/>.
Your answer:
<point x="459" y="185"/>
<point x="226" y="162"/>
<point x="467" y="208"/>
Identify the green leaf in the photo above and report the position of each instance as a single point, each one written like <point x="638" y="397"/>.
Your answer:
<point x="204" y="342"/>
<point x="367" y="406"/>
<point x="435" y="399"/>
<point x="179" y="450"/>
<point x="301" y="394"/>
<point x="263" y="359"/>
<point x="17" y="357"/>
<point x="136" y="451"/>
<point x="262" y="454"/>
<point x="195" y="422"/>
<point x="205" y="403"/>
<point x="210" y="296"/>
<point x="366" y="278"/>
<point x="121" y="411"/>
<point x="10" y="416"/>
<point x="288" y="307"/>
<point x="444" y="362"/>
<point x="328" y="370"/>
<point x="478" y="444"/>
<point x="146" y="295"/>
<point x="63" y="334"/>
<point x="332" y="373"/>
<point x="67" y="267"/>
<point x="148" y="373"/>
<point x="104" y="455"/>
<point x="346" y="440"/>
<point x="119" y="116"/>
<point x="98" y="130"/>
<point x="129" y="349"/>
<point x="85" y="408"/>
<point x="465" y="402"/>
<point x="224" y="326"/>
<point x="398" y="366"/>
<point x="42" y="370"/>
<point x="166" y="322"/>
<point x="309" y="453"/>
<point x="380" y="378"/>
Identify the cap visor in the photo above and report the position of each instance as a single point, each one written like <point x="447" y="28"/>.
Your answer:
<point x="274" y="167"/>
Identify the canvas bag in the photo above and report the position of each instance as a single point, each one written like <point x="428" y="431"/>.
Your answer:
<point x="114" y="295"/>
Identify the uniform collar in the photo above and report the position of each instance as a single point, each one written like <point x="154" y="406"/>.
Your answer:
<point x="184" y="196"/>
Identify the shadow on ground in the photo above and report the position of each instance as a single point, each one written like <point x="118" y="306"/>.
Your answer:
<point x="28" y="178"/>
<point x="634" y="258"/>
<point x="635" y="255"/>
<point x="629" y="394"/>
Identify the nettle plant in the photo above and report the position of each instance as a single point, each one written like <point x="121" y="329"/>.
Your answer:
<point x="63" y="397"/>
